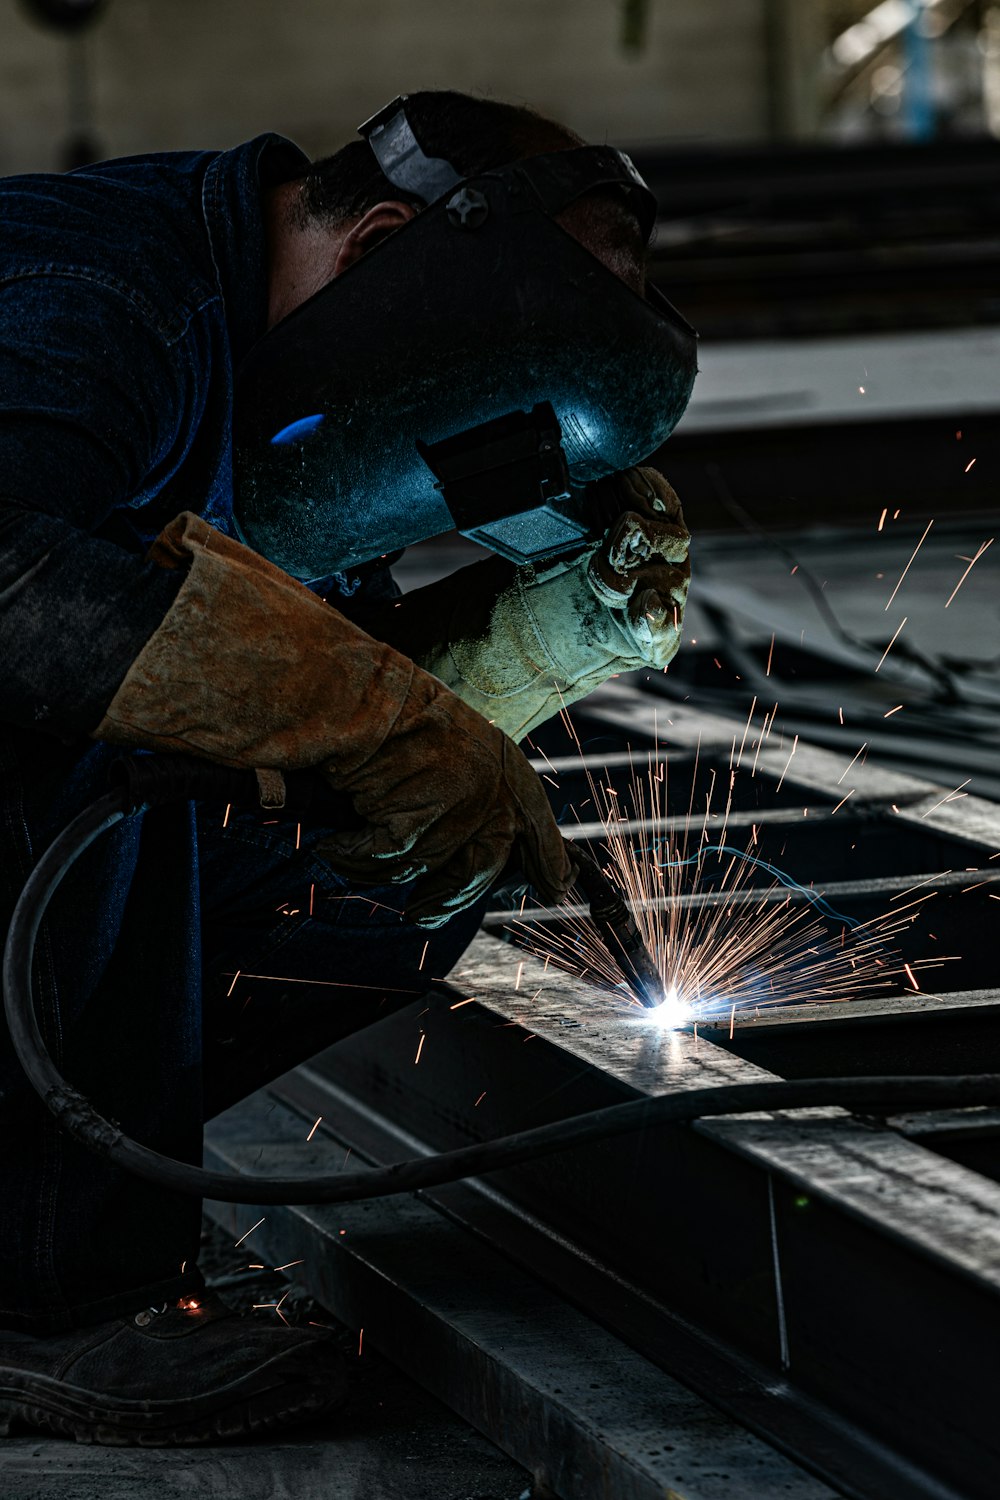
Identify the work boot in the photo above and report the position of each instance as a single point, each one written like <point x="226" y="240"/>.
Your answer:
<point x="190" y="1372"/>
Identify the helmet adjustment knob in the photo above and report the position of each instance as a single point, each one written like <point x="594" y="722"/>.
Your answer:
<point x="467" y="208"/>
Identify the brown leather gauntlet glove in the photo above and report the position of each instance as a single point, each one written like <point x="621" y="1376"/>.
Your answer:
<point x="251" y="669"/>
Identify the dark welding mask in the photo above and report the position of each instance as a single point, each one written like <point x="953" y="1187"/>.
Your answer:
<point x="474" y="371"/>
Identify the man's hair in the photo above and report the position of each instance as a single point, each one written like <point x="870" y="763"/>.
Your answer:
<point x="473" y="134"/>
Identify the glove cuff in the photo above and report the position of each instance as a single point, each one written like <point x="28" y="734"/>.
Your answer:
<point x="251" y="669"/>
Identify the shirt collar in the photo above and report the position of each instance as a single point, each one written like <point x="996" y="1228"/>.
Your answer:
<point x="232" y="203"/>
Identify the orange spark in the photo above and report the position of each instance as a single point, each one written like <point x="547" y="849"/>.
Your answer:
<point x="853" y="759"/>
<point x="910" y="563"/>
<point x="746" y="731"/>
<point x="336" y="984"/>
<point x="315" y="1127"/>
<point x="249" y="1232"/>
<point x="937" y="875"/>
<point x="420" y="1047"/>
<point x="969" y="569"/>
<point x="888" y="648"/>
<point x="957" y="792"/>
<point x="787" y="762"/>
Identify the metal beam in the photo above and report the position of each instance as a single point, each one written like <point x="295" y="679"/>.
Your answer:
<point x="590" y="1418"/>
<point x="831" y="1283"/>
<point x="670" y="1240"/>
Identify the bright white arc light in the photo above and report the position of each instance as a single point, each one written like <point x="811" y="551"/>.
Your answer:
<point x="672" y="1013"/>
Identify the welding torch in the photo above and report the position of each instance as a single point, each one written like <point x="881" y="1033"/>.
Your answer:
<point x="619" y="931"/>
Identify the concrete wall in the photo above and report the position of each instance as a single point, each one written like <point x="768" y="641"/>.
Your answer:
<point x="178" y="73"/>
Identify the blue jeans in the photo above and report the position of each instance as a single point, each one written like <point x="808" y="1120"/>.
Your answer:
<point x="140" y="1004"/>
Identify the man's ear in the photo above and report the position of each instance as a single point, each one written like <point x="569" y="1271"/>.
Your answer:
<point x="370" y="229"/>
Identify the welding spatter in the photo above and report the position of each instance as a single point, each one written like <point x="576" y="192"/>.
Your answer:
<point x="619" y="931"/>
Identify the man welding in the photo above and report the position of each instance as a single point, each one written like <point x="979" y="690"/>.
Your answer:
<point x="232" y="386"/>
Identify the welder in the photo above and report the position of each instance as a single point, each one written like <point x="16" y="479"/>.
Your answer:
<point x="232" y="386"/>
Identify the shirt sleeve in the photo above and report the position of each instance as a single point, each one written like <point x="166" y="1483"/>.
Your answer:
<point x="94" y="401"/>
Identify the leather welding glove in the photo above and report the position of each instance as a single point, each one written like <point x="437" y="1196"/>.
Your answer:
<point x="250" y="669"/>
<point x="520" y="643"/>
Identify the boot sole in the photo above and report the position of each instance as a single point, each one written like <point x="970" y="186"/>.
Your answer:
<point x="47" y="1405"/>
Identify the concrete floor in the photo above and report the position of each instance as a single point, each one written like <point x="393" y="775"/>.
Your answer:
<point x="392" y="1442"/>
<point x="408" y="1448"/>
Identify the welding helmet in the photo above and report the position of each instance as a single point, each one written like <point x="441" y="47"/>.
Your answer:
<point x="473" y="371"/>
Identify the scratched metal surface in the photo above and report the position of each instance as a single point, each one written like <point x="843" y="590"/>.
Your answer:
<point x="592" y="1034"/>
<point x="894" y="1184"/>
<point x="854" y="1012"/>
<point x="569" y="1401"/>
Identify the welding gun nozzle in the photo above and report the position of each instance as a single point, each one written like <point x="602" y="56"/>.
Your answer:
<point x="619" y="931"/>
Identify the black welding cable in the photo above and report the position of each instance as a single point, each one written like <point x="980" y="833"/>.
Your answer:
<point x="879" y="1096"/>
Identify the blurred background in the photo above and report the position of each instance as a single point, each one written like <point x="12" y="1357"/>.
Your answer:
<point x="828" y="173"/>
<point x="123" y="76"/>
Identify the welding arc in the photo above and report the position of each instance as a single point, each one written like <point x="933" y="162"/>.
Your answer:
<point x="872" y="1096"/>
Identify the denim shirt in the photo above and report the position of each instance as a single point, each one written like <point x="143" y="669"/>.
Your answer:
<point x="129" y="293"/>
